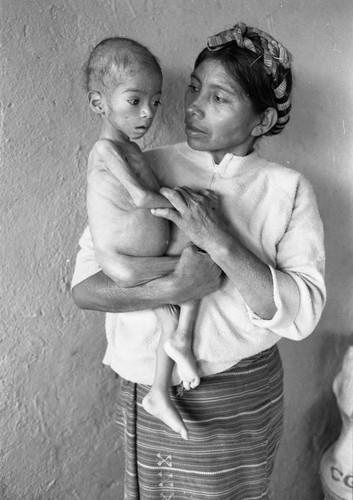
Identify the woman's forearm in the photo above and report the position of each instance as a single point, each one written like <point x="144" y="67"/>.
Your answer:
<point x="194" y="276"/>
<point x="100" y="293"/>
<point x="250" y="275"/>
<point x="196" y="214"/>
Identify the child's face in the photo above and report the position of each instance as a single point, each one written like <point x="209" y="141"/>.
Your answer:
<point x="131" y="108"/>
<point x="218" y="117"/>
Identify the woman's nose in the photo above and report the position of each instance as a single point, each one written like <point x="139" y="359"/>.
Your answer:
<point x="194" y="105"/>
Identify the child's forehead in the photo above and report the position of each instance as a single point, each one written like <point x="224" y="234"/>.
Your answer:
<point x="135" y="71"/>
<point x="144" y="80"/>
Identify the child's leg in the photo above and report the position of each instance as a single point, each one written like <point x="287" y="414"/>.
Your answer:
<point x="128" y="273"/>
<point x="179" y="345"/>
<point x="157" y="402"/>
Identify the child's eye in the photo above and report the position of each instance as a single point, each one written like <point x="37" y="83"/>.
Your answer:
<point x="192" y="88"/>
<point x="157" y="103"/>
<point x="133" y="102"/>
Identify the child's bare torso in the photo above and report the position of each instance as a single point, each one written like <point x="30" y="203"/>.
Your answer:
<point x="116" y="223"/>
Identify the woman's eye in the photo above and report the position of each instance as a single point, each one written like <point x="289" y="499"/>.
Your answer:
<point x="133" y="102"/>
<point x="218" y="98"/>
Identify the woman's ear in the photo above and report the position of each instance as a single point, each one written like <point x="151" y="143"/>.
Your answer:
<point x="268" y="119"/>
<point x="95" y="101"/>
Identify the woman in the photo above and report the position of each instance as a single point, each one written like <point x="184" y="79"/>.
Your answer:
<point x="267" y="239"/>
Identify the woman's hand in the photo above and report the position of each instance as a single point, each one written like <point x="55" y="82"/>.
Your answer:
<point x="195" y="213"/>
<point x="194" y="276"/>
<point x="197" y="216"/>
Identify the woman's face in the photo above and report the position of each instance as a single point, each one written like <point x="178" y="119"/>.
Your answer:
<point x="218" y="117"/>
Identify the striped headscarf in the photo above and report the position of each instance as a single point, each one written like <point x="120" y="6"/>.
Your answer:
<point x="274" y="57"/>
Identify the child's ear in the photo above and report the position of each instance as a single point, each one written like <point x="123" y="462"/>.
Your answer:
<point x="268" y="120"/>
<point x="95" y="101"/>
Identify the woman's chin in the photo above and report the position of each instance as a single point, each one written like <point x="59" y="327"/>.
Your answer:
<point x="196" y="143"/>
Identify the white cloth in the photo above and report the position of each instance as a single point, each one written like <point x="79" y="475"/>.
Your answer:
<point x="273" y="211"/>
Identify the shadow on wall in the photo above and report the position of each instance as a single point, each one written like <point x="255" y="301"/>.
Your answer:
<point x="323" y="421"/>
<point x="316" y="144"/>
<point x="168" y="127"/>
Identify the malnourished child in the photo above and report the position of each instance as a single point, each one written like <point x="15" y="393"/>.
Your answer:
<point x="124" y="87"/>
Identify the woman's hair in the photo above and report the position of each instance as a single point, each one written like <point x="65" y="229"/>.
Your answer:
<point x="259" y="65"/>
<point x="115" y="58"/>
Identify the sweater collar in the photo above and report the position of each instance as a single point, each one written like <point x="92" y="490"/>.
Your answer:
<point x="230" y="166"/>
<point x="233" y="165"/>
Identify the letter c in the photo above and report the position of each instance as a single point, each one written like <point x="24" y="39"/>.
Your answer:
<point x="348" y="481"/>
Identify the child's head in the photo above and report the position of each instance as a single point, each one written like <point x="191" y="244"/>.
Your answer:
<point x="114" y="59"/>
<point x="259" y="65"/>
<point x="124" y="81"/>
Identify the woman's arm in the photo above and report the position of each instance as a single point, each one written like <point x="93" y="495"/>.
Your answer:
<point x="287" y="299"/>
<point x="195" y="276"/>
<point x="252" y="277"/>
<point x="197" y="216"/>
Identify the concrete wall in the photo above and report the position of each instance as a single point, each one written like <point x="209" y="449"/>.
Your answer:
<point x="56" y="399"/>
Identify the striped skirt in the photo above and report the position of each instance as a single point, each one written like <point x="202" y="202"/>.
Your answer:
<point x="234" y="419"/>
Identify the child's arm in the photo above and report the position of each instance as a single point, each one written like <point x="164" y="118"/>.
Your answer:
<point x="142" y="197"/>
<point x="128" y="271"/>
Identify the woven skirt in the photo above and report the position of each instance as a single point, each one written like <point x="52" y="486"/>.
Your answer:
<point x="234" y="419"/>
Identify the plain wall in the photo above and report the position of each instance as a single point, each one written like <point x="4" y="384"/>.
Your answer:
<point x="57" y="401"/>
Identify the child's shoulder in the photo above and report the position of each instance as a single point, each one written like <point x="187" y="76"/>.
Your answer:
<point x="169" y="151"/>
<point x="104" y="147"/>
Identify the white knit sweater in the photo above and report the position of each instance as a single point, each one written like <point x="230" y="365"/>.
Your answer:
<point x="273" y="211"/>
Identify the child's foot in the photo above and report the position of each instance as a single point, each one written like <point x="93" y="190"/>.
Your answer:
<point x="181" y="354"/>
<point x="158" y="404"/>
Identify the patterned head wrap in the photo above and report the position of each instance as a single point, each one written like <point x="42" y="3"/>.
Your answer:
<point x="275" y="57"/>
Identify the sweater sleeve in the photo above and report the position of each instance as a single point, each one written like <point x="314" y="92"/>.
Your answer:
<point x="300" y="256"/>
<point x="86" y="264"/>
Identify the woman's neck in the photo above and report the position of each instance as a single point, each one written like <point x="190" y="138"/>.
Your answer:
<point x="218" y="157"/>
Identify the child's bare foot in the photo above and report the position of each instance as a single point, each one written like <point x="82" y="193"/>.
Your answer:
<point x="181" y="353"/>
<point x="158" y="404"/>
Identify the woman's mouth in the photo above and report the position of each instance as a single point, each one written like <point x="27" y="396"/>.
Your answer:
<point x="193" y="131"/>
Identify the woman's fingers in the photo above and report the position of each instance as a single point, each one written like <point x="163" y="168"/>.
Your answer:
<point x="210" y="195"/>
<point x="184" y="194"/>
<point x="189" y="196"/>
<point x="166" y="213"/>
<point x="203" y="197"/>
<point x="182" y="198"/>
<point x="185" y="189"/>
<point x="212" y="199"/>
<point x="189" y="206"/>
<point x="175" y="197"/>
